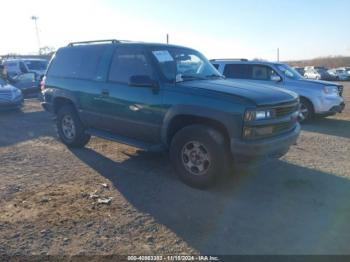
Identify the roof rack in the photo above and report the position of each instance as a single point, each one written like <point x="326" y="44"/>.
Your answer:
<point x="113" y="41"/>
<point x="236" y="59"/>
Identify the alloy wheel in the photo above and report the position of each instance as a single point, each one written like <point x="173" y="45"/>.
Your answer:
<point x="68" y="127"/>
<point x="195" y="158"/>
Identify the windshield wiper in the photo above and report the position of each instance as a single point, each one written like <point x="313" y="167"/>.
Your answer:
<point x="215" y="76"/>
<point x="191" y="78"/>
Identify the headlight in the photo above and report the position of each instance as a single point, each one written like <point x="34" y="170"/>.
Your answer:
<point x="251" y="115"/>
<point x="330" y="90"/>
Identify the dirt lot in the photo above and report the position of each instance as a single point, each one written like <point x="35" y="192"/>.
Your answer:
<point x="299" y="204"/>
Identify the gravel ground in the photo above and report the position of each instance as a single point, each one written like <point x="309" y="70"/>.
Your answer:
<point x="49" y="194"/>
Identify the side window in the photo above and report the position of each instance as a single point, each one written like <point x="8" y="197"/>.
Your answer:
<point x="23" y="68"/>
<point x="261" y="72"/>
<point x="239" y="71"/>
<point x="128" y="62"/>
<point x="27" y="77"/>
<point x="81" y="62"/>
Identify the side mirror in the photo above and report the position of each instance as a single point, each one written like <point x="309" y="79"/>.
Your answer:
<point x="276" y="78"/>
<point x="141" y="81"/>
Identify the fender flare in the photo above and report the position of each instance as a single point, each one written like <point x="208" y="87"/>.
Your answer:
<point x="224" y="118"/>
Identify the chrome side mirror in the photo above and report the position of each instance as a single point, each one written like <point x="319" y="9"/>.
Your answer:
<point x="276" y="78"/>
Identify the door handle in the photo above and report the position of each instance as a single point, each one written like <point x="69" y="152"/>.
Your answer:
<point x="105" y="92"/>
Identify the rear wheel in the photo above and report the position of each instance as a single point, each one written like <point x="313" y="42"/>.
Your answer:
<point x="306" y="110"/>
<point x="199" y="155"/>
<point x="70" y="129"/>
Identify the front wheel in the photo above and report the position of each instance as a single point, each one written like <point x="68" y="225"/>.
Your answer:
<point x="70" y="129"/>
<point x="200" y="156"/>
<point x="306" y="110"/>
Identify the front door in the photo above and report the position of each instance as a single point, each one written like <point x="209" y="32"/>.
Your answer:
<point x="131" y="111"/>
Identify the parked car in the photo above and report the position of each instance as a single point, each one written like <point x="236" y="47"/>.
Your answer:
<point x="340" y="73"/>
<point x="319" y="73"/>
<point x="10" y="96"/>
<point x="300" y="70"/>
<point x="28" y="83"/>
<point x="17" y="66"/>
<point x="165" y="97"/>
<point x="316" y="97"/>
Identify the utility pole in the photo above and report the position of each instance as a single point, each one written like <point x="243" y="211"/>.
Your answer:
<point x="167" y="38"/>
<point x="35" y="19"/>
<point x="278" y="54"/>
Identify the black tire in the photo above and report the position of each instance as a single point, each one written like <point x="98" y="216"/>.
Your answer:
<point x="212" y="142"/>
<point x="80" y="138"/>
<point x="306" y="105"/>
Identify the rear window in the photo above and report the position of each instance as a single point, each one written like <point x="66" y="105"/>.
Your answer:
<point x="82" y="62"/>
<point x="237" y="71"/>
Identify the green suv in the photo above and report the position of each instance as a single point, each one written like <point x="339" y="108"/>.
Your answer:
<point x="162" y="97"/>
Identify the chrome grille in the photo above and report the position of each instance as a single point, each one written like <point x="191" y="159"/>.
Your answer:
<point x="286" y="109"/>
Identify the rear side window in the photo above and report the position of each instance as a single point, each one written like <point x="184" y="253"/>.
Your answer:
<point x="128" y="62"/>
<point x="11" y="64"/>
<point x="240" y="71"/>
<point x="80" y="62"/>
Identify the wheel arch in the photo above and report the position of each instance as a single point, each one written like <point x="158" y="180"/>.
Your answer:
<point x="58" y="102"/>
<point x="181" y="117"/>
<point x="310" y="101"/>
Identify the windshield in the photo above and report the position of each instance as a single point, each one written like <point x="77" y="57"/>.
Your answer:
<point x="289" y="71"/>
<point x="36" y="64"/>
<point x="180" y="64"/>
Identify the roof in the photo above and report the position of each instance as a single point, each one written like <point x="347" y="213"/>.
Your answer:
<point x="24" y="59"/>
<point x="244" y="61"/>
<point x="123" y="42"/>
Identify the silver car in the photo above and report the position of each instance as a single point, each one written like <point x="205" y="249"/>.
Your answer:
<point x="316" y="97"/>
<point x="10" y="96"/>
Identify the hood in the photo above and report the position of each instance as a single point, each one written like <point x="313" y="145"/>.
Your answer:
<point x="318" y="82"/>
<point x="260" y="94"/>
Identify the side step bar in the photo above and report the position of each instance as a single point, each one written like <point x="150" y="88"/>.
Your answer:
<point x="125" y="140"/>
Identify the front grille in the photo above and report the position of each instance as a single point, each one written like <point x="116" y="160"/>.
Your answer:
<point x="340" y="90"/>
<point x="286" y="109"/>
<point x="279" y="128"/>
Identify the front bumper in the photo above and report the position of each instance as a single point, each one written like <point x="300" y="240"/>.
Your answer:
<point x="329" y="105"/>
<point x="272" y="147"/>
<point x="335" y="109"/>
